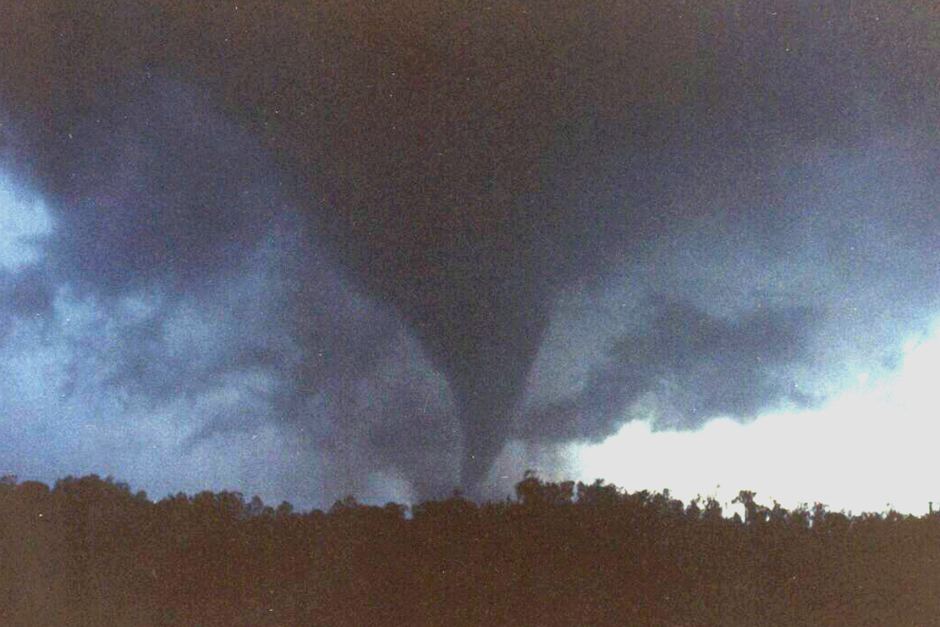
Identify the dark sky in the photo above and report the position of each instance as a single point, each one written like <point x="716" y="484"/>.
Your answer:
<point x="312" y="248"/>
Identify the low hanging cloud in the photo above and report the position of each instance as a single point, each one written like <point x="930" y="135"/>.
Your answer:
<point x="691" y="365"/>
<point x="173" y="277"/>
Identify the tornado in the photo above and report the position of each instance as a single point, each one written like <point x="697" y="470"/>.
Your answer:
<point x="463" y="164"/>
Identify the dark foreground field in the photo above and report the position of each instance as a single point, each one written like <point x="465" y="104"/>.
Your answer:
<point x="90" y="552"/>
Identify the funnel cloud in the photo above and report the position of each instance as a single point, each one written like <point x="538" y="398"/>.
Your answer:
<point x="323" y="247"/>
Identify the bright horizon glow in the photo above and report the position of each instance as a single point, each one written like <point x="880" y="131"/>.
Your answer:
<point x="871" y="449"/>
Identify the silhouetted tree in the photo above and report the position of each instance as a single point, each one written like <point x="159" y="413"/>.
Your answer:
<point x="91" y="552"/>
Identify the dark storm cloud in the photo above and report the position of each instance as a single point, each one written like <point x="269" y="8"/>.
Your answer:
<point x="465" y="164"/>
<point x="692" y="365"/>
<point x="26" y="292"/>
<point x="158" y="191"/>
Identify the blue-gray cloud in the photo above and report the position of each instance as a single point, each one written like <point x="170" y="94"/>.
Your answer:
<point x="692" y="366"/>
<point x="351" y="228"/>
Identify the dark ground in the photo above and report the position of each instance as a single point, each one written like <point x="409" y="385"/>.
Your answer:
<point x="90" y="552"/>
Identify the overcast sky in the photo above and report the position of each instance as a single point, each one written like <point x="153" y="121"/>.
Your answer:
<point x="323" y="248"/>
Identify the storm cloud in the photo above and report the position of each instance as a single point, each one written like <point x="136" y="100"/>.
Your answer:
<point x="354" y="224"/>
<point x="692" y="366"/>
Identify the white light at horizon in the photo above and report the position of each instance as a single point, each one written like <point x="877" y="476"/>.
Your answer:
<point x="870" y="449"/>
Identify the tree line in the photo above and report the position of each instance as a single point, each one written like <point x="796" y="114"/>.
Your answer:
<point x="89" y="551"/>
